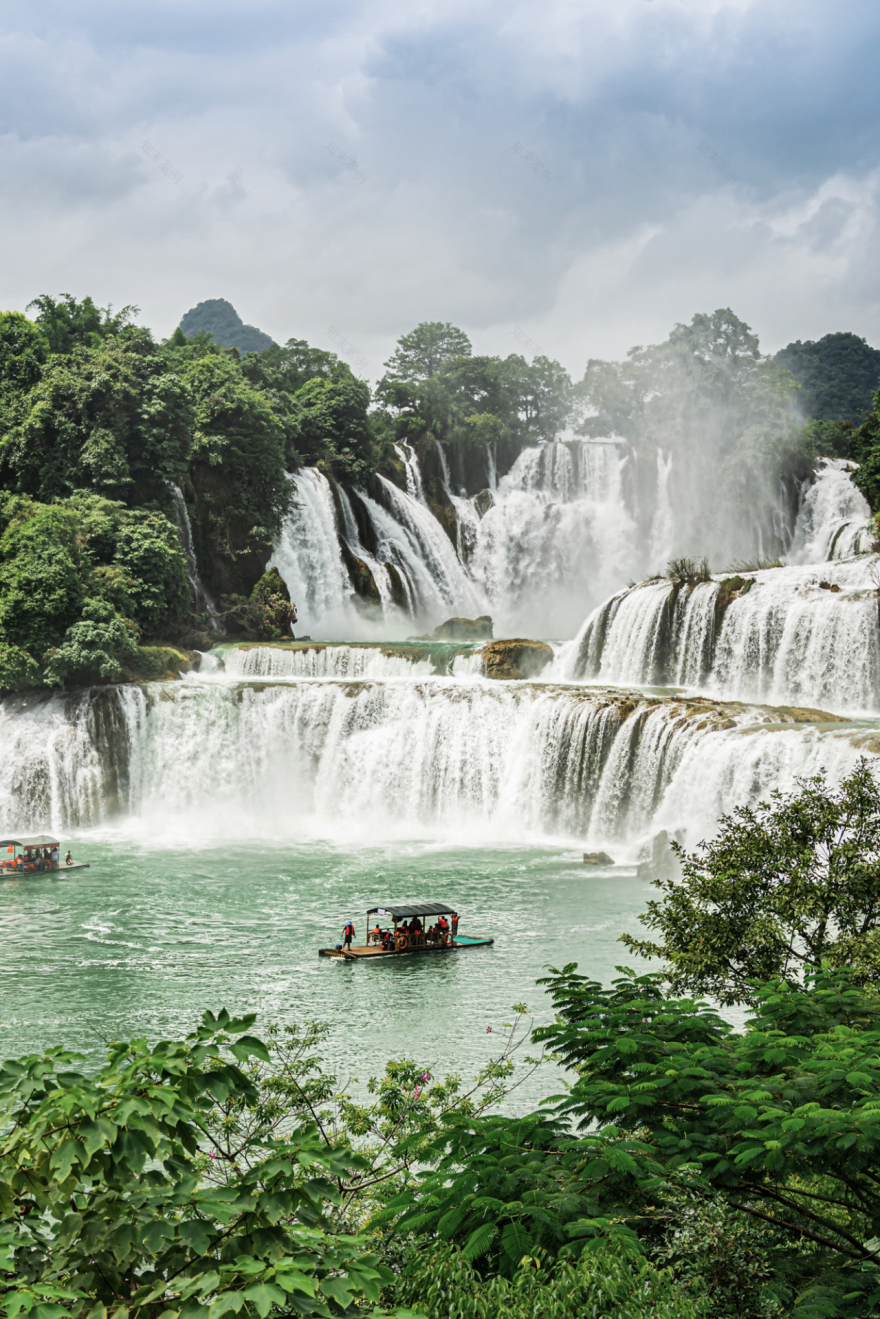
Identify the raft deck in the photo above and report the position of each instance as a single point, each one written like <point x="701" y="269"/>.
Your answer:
<point x="39" y="874"/>
<point x="374" y="950"/>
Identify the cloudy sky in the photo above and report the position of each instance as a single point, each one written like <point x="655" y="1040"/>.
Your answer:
<point x="570" y="176"/>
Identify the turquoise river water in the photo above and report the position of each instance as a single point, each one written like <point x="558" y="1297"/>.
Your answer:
<point x="148" y="938"/>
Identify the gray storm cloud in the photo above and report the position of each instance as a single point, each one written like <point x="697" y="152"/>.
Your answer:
<point x="586" y="175"/>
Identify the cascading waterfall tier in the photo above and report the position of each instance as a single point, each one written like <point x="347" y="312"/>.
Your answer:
<point x="798" y="635"/>
<point x="557" y="537"/>
<point x="475" y="759"/>
<point x="548" y="542"/>
<point x="371" y="660"/>
<point x="833" y="519"/>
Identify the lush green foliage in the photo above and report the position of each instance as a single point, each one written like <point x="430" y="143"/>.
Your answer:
<point x="68" y="324"/>
<point x="781" y="1121"/>
<point x="333" y="429"/>
<point x="112" y="419"/>
<point x="93" y="647"/>
<point x="79" y="579"/>
<point x="23" y="351"/>
<point x="237" y="471"/>
<point x="426" y="349"/>
<point x="393" y="1127"/>
<point x="866" y="449"/>
<point x="272" y="612"/>
<point x="217" y="317"/>
<point x="436" y="389"/>
<point x="613" y="1279"/>
<point x="838" y="374"/>
<point x="784" y="887"/>
<point x="105" y="1208"/>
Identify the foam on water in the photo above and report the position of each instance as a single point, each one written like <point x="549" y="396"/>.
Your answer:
<point x="474" y="760"/>
<point x="789" y="639"/>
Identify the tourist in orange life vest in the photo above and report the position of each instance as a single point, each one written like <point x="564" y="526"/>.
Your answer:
<point x="377" y="933"/>
<point x="347" y="934"/>
<point x="443" y="927"/>
<point x="454" y="924"/>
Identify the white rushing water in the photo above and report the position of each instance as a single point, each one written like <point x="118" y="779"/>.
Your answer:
<point x="833" y="519"/>
<point x="546" y="543"/>
<point x="381" y="760"/>
<point x="803" y="634"/>
<point x="321" y="662"/>
<point x="557" y="538"/>
<point x="789" y="638"/>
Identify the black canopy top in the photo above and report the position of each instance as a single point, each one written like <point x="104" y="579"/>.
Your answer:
<point x="399" y="913"/>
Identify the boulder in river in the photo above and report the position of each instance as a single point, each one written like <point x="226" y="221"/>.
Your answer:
<point x="516" y="658"/>
<point x="597" y="859"/>
<point x="465" y="629"/>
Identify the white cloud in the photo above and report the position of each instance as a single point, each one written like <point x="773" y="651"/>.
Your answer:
<point x="442" y="218"/>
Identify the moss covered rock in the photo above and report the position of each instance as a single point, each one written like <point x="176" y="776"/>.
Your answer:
<point x="516" y="659"/>
<point x="466" y="629"/>
<point x="272" y="613"/>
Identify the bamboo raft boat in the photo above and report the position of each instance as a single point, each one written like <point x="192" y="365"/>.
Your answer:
<point x="401" y="939"/>
<point x="33" y="856"/>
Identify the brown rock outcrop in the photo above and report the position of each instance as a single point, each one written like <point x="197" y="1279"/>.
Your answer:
<point x="515" y="659"/>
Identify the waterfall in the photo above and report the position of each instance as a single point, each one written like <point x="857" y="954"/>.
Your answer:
<point x="663" y="526"/>
<point x="467" y="519"/>
<point x="184" y="531"/>
<point x="324" y="662"/>
<point x="557" y="538"/>
<point x="411" y="536"/>
<point x="407" y="455"/>
<point x="309" y="557"/>
<point x="833" y="518"/>
<point x="554" y="538"/>
<point x="388" y="759"/>
<point x="69" y="760"/>
<point x="787" y="638"/>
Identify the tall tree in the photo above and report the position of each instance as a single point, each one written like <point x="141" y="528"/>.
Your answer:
<point x="782" y="888"/>
<point x="68" y="324"/>
<point x="237" y="473"/>
<point x="23" y="352"/>
<point x="427" y="348"/>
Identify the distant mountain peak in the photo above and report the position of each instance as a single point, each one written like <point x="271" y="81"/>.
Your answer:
<point x="226" y="327"/>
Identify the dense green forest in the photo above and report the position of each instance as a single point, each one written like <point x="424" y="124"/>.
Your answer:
<point x="679" y="1167"/>
<point x="838" y="376"/>
<point x="107" y="435"/>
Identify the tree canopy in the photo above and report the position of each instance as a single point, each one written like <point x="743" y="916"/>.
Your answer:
<point x="785" y="887"/>
<point x="80" y="580"/>
<point x="113" y="419"/>
<point x="838" y="375"/>
<point x="68" y="324"/>
<point x="430" y="346"/>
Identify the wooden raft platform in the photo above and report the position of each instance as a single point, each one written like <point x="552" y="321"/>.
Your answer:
<point x="358" y="952"/>
<point x="42" y="874"/>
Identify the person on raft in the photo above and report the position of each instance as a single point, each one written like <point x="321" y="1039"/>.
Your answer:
<point x="347" y="934"/>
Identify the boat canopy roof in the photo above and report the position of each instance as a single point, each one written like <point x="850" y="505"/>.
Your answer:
<point x="402" y="911"/>
<point x="33" y="840"/>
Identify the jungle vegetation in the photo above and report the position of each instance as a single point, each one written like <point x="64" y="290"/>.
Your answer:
<point x="96" y="414"/>
<point x="680" y="1166"/>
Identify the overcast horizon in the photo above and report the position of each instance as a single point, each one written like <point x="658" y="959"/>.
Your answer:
<point x="570" y="179"/>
